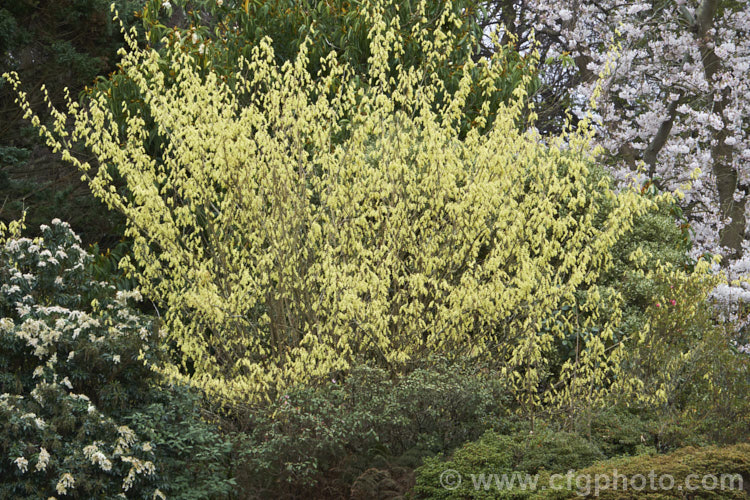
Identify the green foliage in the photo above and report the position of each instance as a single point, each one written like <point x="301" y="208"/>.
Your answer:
<point x="11" y="156"/>
<point x="194" y="458"/>
<point x="710" y="405"/>
<point x="72" y="354"/>
<point x="221" y="33"/>
<point x="663" y="235"/>
<point x="339" y="26"/>
<point x="677" y="342"/>
<point x="104" y="266"/>
<point x="522" y="451"/>
<point x="10" y="32"/>
<point x="52" y="195"/>
<point x="676" y="346"/>
<point x="712" y="460"/>
<point x="217" y="35"/>
<point x="78" y="404"/>
<point x="49" y="36"/>
<point x="632" y="286"/>
<point x="620" y="431"/>
<point x="313" y="439"/>
<point x="689" y="355"/>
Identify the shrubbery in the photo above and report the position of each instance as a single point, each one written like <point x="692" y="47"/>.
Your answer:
<point x="83" y="412"/>
<point x="708" y="463"/>
<point x="361" y="281"/>
<point x="195" y="459"/>
<point x="79" y="407"/>
<point x="327" y="438"/>
<point x="523" y="451"/>
<point x="546" y="453"/>
<point x="620" y="431"/>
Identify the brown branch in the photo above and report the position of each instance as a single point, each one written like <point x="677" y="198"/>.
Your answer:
<point x="660" y="139"/>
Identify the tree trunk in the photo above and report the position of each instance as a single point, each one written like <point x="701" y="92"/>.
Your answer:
<point x="733" y="234"/>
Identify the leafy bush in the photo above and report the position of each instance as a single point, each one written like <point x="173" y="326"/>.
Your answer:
<point x="292" y="250"/>
<point x="688" y="356"/>
<point x="663" y="237"/>
<point x="702" y="462"/>
<point x="80" y="410"/>
<point x="194" y="459"/>
<point x="326" y="438"/>
<point x="620" y="431"/>
<point x="493" y="453"/>
<point x="221" y="33"/>
<point x="676" y="345"/>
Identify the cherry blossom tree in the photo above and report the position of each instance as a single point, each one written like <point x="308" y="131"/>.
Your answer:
<point x="676" y="97"/>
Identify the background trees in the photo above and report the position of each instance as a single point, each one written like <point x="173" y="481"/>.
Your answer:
<point x="675" y="101"/>
<point x="60" y="44"/>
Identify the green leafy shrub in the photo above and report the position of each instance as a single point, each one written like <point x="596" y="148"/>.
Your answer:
<point x="664" y="238"/>
<point x="677" y="347"/>
<point x="689" y="356"/>
<point x="367" y="427"/>
<point x="493" y="453"/>
<point x="79" y="407"/>
<point x="621" y="431"/>
<point x="194" y="458"/>
<point x="703" y="463"/>
<point x="104" y="265"/>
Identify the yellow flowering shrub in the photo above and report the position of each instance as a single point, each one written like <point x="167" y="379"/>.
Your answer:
<point x="296" y="224"/>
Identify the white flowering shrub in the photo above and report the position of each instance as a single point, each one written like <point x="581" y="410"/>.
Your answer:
<point x="71" y="363"/>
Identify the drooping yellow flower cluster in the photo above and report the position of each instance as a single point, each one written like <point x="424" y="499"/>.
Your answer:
<point x="293" y="225"/>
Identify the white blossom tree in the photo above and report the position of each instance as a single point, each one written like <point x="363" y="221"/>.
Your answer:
<point x="677" y="97"/>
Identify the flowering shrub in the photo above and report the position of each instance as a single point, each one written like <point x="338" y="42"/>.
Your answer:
<point x="676" y="99"/>
<point x="522" y="451"/>
<point x="294" y="225"/>
<point x="690" y="355"/>
<point x="80" y="412"/>
<point x="72" y="355"/>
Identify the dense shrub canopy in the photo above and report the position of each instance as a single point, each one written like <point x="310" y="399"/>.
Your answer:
<point x="285" y="243"/>
<point x="494" y="453"/>
<point x="71" y="363"/>
<point x="711" y="472"/>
